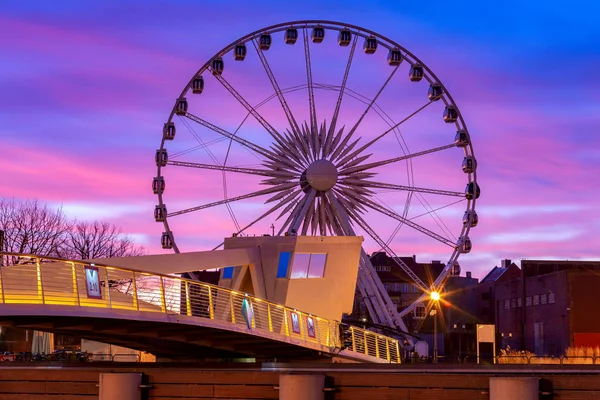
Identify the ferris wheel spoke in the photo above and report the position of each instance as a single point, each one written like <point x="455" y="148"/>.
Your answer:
<point x="385" y="310"/>
<point x="297" y="207"/>
<point x="381" y="185"/>
<point x="336" y="112"/>
<point x="274" y="134"/>
<point x="234" y="199"/>
<point x="246" y="143"/>
<point x="367" y="228"/>
<point x="340" y="151"/>
<point x="351" y="170"/>
<point x="391" y="129"/>
<point x="291" y="151"/>
<point x="434" y="210"/>
<point x="309" y="80"/>
<point x="392" y="214"/>
<point x="242" y="170"/>
<point x="263" y="216"/>
<point x="197" y="147"/>
<point x="276" y="87"/>
<point x="308" y="217"/>
<point x="301" y="215"/>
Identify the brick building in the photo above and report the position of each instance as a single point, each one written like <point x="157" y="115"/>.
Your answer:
<point x="486" y="290"/>
<point x="549" y="307"/>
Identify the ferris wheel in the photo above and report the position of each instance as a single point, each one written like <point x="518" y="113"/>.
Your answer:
<point x="320" y="128"/>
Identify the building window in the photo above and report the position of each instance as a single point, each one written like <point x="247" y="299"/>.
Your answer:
<point x="513" y="303"/>
<point x="284" y="263"/>
<point x="551" y="298"/>
<point x="383" y="268"/>
<point x="420" y="311"/>
<point x="544" y="299"/>
<point x="507" y="304"/>
<point x="519" y="302"/>
<point x="536" y="299"/>
<point x="307" y="265"/>
<point x="227" y="272"/>
<point x="528" y="301"/>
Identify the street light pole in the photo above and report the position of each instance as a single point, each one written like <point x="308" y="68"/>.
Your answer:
<point x="435" y="297"/>
<point x="433" y="313"/>
<point x="460" y="328"/>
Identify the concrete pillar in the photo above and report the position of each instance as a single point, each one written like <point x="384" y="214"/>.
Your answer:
<point x="301" y="387"/>
<point x="511" y="388"/>
<point x="124" y="386"/>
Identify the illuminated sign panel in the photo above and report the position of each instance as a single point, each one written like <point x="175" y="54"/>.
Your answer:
<point x="92" y="282"/>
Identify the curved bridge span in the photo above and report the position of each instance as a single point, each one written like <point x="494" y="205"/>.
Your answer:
<point x="170" y="316"/>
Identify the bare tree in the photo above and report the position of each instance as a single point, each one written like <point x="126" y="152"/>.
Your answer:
<point x="31" y="228"/>
<point x="89" y="240"/>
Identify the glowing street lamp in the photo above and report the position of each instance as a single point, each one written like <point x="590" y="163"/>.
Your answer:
<point x="435" y="296"/>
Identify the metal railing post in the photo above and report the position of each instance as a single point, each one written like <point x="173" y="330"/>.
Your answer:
<point x="107" y="288"/>
<point x="387" y="350"/>
<point x="287" y="327"/>
<point x="211" y="309"/>
<point x="269" y="317"/>
<point x="75" y="286"/>
<point x="40" y="280"/>
<point x="232" y="309"/>
<point x="163" y="305"/>
<point x="366" y="343"/>
<point x="2" y="282"/>
<point x="377" y="347"/>
<point x="136" y="303"/>
<point x="188" y="303"/>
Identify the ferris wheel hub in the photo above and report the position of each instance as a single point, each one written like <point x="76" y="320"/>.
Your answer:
<point x="322" y="175"/>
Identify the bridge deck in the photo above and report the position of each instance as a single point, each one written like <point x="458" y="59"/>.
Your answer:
<point x="169" y="316"/>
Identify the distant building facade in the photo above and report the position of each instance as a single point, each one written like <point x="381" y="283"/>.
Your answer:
<point x="458" y="307"/>
<point x="552" y="305"/>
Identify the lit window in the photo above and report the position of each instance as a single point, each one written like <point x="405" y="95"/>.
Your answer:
<point x="284" y="262"/>
<point x="544" y="299"/>
<point x="528" y="301"/>
<point x="308" y="265"/>
<point x="551" y="298"/>
<point x="519" y="302"/>
<point x="300" y="265"/>
<point x="316" y="268"/>
<point x="513" y="303"/>
<point x="536" y="299"/>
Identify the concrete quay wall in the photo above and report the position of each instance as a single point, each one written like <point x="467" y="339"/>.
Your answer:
<point x="344" y="383"/>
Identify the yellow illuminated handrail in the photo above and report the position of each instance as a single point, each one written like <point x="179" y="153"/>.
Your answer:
<point x="31" y="279"/>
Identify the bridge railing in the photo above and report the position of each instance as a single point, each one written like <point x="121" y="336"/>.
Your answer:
<point x="30" y="279"/>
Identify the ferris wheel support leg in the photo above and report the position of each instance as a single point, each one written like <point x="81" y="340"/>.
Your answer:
<point x="383" y="307"/>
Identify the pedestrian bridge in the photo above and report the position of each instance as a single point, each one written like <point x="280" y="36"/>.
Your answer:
<point x="171" y="316"/>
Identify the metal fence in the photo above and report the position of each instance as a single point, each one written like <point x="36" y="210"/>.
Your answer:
<point x="29" y="279"/>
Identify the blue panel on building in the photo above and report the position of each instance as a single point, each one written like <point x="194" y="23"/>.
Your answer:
<point x="284" y="262"/>
<point x="227" y="272"/>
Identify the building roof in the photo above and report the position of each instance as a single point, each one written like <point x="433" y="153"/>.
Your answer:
<point x="502" y="273"/>
<point x="427" y="272"/>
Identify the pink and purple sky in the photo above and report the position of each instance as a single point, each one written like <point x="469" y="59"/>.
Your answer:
<point x="86" y="87"/>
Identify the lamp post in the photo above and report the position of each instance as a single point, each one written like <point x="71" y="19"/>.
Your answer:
<point x="460" y="328"/>
<point x="435" y="297"/>
<point x="433" y="313"/>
